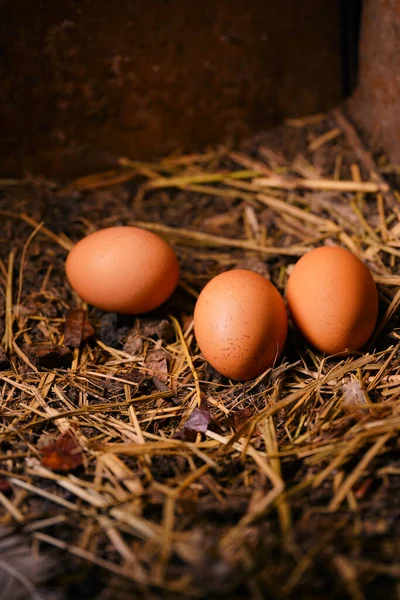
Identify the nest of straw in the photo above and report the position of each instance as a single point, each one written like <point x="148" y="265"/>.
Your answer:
<point x="151" y="475"/>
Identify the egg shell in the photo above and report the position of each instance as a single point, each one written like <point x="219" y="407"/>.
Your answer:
<point x="333" y="299"/>
<point x="123" y="269"/>
<point x="240" y="323"/>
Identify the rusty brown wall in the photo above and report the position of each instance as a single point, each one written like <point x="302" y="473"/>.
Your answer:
<point x="83" y="81"/>
<point x="375" y="106"/>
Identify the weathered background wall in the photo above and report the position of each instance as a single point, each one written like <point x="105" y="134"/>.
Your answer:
<point x="85" y="81"/>
<point x="375" y="106"/>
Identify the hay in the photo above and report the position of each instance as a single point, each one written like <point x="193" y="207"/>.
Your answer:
<point x="287" y="478"/>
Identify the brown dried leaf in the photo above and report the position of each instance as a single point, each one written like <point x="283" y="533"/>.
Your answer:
<point x="160" y="385"/>
<point x="64" y="454"/>
<point x="134" y="376"/>
<point x="133" y="343"/>
<point x="156" y="363"/>
<point x="161" y="329"/>
<point x="88" y="329"/>
<point x="50" y="356"/>
<point x="5" y="487"/>
<point x="109" y="329"/>
<point x="114" y="387"/>
<point x="148" y="328"/>
<point x="238" y="418"/>
<point x="77" y="328"/>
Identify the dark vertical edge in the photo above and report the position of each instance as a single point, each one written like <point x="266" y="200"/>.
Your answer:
<point x="350" y="36"/>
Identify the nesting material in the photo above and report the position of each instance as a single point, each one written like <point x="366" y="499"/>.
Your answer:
<point x="134" y="455"/>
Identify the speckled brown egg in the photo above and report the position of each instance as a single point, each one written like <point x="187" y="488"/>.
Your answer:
<point x="333" y="299"/>
<point x="240" y="324"/>
<point x="123" y="269"/>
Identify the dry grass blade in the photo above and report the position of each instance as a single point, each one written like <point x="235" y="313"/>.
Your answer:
<point x="355" y="474"/>
<point x="182" y="182"/>
<point x="88" y="556"/>
<point x="362" y="154"/>
<point x="367" y="187"/>
<point x="324" y="138"/>
<point x="62" y="241"/>
<point x="198" y="238"/>
<point x="9" y="320"/>
<point x="303" y="215"/>
<point x="188" y="358"/>
<point x="102" y="180"/>
<point x="349" y="574"/>
<point x="22" y="263"/>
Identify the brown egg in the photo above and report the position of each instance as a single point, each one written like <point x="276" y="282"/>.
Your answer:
<point x="123" y="269"/>
<point x="240" y="324"/>
<point x="333" y="299"/>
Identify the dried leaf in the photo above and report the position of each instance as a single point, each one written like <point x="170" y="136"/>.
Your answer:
<point x="154" y="328"/>
<point x="133" y="343"/>
<point x="238" y="418"/>
<point x="62" y="455"/>
<point x="198" y="421"/>
<point x="160" y="385"/>
<point x="108" y="329"/>
<point x="114" y="387"/>
<point x="148" y="328"/>
<point x="88" y="329"/>
<point x="156" y="363"/>
<point x="50" y="356"/>
<point x="134" y="376"/>
<point x="5" y="487"/>
<point x="77" y="328"/>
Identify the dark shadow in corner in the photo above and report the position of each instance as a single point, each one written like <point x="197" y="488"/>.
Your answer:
<point x="351" y="20"/>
